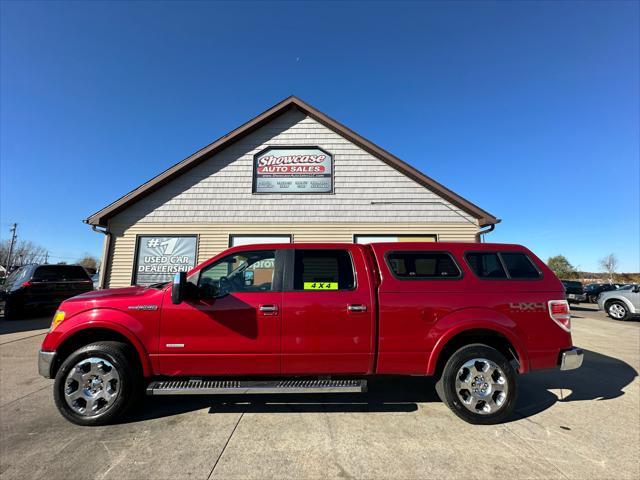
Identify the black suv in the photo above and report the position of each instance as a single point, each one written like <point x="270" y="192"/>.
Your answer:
<point x="32" y="288"/>
<point x="574" y="290"/>
<point x="594" y="289"/>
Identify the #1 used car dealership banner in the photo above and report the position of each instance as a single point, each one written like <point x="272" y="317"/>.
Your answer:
<point x="159" y="258"/>
<point x="293" y="170"/>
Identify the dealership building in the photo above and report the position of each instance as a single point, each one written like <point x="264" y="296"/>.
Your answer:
<point x="291" y="174"/>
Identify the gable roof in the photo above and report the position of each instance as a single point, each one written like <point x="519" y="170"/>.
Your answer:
<point x="101" y="217"/>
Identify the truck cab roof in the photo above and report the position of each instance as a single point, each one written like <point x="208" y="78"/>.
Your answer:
<point x="457" y="246"/>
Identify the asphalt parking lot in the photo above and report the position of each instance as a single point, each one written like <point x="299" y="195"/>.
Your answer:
<point x="578" y="424"/>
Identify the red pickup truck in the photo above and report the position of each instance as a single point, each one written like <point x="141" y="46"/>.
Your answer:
<point x="323" y="317"/>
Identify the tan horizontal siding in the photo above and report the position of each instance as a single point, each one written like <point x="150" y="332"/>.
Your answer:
<point x="214" y="237"/>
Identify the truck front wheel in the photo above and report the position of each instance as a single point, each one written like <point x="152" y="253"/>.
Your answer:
<point x="479" y="385"/>
<point x="97" y="383"/>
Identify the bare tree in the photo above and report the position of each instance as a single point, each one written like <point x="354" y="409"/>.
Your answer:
<point x="609" y="264"/>
<point x="24" y="252"/>
<point x="89" y="262"/>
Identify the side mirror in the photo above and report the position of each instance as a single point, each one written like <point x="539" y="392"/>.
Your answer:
<point x="248" y="278"/>
<point x="179" y="286"/>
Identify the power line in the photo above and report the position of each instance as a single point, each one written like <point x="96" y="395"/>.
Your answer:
<point x="14" y="235"/>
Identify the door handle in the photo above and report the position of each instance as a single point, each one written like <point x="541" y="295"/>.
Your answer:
<point x="357" y="308"/>
<point x="268" y="308"/>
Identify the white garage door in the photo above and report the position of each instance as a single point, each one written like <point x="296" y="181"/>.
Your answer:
<point x="237" y="240"/>
<point x="393" y="238"/>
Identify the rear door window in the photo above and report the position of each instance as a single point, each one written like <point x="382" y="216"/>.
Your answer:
<point x="323" y="270"/>
<point x="422" y="265"/>
<point x="60" y="273"/>
<point x="486" y="265"/>
<point x="520" y="265"/>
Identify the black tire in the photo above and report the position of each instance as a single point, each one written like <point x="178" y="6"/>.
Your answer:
<point x="12" y="311"/>
<point x="123" y="359"/>
<point x="446" y="386"/>
<point x="593" y="299"/>
<point x="621" y="311"/>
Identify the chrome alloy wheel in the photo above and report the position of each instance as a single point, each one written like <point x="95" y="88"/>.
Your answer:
<point x="482" y="386"/>
<point x="617" y="311"/>
<point x="92" y="386"/>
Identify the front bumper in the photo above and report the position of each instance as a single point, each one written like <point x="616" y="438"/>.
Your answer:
<point x="571" y="359"/>
<point x="45" y="362"/>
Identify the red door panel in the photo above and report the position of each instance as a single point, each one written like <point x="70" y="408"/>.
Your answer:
<point x="238" y="334"/>
<point x="321" y="334"/>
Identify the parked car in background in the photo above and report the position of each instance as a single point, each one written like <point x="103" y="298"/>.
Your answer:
<point x="574" y="291"/>
<point x="621" y="304"/>
<point x="38" y="288"/>
<point x="594" y="289"/>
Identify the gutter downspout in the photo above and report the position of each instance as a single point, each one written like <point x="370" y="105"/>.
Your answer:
<point x="480" y="238"/>
<point x="106" y="247"/>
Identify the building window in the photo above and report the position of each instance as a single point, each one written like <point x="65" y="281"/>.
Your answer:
<point x="238" y="240"/>
<point x="323" y="270"/>
<point x="158" y="257"/>
<point x="358" y="238"/>
<point x="423" y="265"/>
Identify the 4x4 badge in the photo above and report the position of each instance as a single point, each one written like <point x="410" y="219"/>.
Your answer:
<point x="527" y="306"/>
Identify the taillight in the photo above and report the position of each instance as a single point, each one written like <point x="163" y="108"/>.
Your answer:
<point x="25" y="285"/>
<point x="560" y="313"/>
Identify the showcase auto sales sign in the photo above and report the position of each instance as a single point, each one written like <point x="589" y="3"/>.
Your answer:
<point x="293" y="170"/>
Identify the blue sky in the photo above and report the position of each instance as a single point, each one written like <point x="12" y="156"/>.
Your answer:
<point x="530" y="110"/>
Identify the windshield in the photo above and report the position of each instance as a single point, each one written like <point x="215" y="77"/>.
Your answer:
<point x="16" y="277"/>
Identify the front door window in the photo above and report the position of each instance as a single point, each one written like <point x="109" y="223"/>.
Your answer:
<point x="240" y="272"/>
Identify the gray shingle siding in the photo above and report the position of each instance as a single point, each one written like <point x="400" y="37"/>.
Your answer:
<point x="220" y="188"/>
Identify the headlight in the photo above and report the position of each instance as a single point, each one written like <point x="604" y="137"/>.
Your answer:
<point x="58" y="318"/>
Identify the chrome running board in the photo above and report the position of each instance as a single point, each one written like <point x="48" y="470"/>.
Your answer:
<point x="222" y="387"/>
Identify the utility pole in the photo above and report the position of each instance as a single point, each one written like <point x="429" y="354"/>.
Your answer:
<point x="13" y="241"/>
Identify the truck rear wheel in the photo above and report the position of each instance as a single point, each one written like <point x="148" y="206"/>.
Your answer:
<point x="97" y="383"/>
<point x="479" y="385"/>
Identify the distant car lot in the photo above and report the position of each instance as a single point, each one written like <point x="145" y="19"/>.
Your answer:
<point x="572" y="425"/>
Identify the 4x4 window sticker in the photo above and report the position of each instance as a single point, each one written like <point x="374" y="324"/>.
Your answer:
<point x="351" y="262"/>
